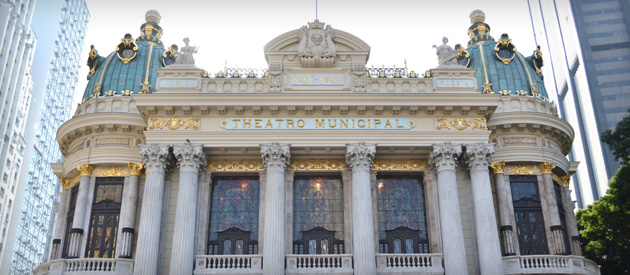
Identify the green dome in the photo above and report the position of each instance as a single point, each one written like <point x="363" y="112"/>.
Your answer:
<point x="131" y="68"/>
<point x="500" y="67"/>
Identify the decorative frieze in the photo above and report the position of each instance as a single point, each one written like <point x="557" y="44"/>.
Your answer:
<point x="460" y="123"/>
<point x="318" y="165"/>
<point x="158" y="123"/>
<point x="522" y="170"/>
<point x="410" y="165"/>
<point x="111" y="171"/>
<point x="235" y="166"/>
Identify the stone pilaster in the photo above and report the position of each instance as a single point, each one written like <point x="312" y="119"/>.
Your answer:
<point x="360" y="159"/>
<point x="147" y="251"/>
<point x="128" y="211"/>
<point x="191" y="159"/>
<point x="276" y="158"/>
<point x="62" y="209"/>
<point x="489" y="250"/>
<point x="443" y="158"/>
<point x="76" y="234"/>
<point x="203" y="213"/>
<point x="557" y="232"/>
<point x="572" y="229"/>
<point x="505" y="208"/>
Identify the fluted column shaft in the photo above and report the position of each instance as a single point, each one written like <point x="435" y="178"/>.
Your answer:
<point x="55" y="252"/>
<point x="505" y="208"/>
<point x="489" y="250"/>
<point x="276" y="157"/>
<point x="443" y="158"/>
<point x="76" y="234"/>
<point x="190" y="159"/>
<point x="360" y="159"/>
<point x="557" y="233"/>
<point x="147" y="251"/>
<point x="128" y="211"/>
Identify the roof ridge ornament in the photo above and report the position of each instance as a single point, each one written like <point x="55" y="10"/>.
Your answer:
<point x="316" y="48"/>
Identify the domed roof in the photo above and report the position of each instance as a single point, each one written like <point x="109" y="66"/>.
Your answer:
<point x="500" y="67"/>
<point x="131" y="68"/>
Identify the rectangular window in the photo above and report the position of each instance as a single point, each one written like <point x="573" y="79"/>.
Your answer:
<point x="530" y="225"/>
<point x="101" y="242"/>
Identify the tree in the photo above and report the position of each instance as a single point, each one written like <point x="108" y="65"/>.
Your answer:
<point x="619" y="139"/>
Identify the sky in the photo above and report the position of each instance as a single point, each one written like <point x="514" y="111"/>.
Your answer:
<point x="237" y="31"/>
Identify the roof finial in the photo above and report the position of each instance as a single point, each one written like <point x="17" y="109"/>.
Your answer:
<point x="153" y="16"/>
<point x="477" y="16"/>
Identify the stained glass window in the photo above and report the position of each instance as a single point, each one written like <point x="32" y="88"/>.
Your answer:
<point x="234" y="204"/>
<point x="400" y="202"/>
<point x="317" y="202"/>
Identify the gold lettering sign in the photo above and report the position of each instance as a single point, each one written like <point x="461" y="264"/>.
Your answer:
<point x="317" y="123"/>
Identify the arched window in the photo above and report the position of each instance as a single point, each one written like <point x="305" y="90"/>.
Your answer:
<point x="234" y="216"/>
<point x="101" y="242"/>
<point x="401" y="215"/>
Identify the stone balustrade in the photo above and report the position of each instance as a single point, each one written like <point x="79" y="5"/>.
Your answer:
<point x="87" y="266"/>
<point x="321" y="263"/>
<point x="418" y="264"/>
<point x="228" y="264"/>
<point x="549" y="264"/>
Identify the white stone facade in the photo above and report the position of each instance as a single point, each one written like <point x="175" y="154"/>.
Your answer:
<point x="306" y="120"/>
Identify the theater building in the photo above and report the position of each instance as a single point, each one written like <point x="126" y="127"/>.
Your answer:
<point x="316" y="165"/>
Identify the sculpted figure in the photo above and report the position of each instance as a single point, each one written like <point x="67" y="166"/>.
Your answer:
<point x="315" y="41"/>
<point x="186" y="54"/>
<point x="446" y="54"/>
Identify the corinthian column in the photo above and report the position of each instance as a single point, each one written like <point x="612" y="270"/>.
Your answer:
<point x="61" y="209"/>
<point x="489" y="249"/>
<point x="190" y="159"/>
<point x="128" y="211"/>
<point x="505" y="208"/>
<point x="443" y="158"/>
<point x="360" y="159"/>
<point x="147" y="251"/>
<point x="557" y="232"/>
<point x="275" y="157"/>
<point x="76" y="234"/>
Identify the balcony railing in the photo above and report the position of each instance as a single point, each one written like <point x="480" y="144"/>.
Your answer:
<point x="549" y="264"/>
<point x="88" y="266"/>
<point x="418" y="264"/>
<point x="321" y="263"/>
<point x="228" y="264"/>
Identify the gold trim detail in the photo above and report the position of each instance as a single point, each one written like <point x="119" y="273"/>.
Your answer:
<point x="135" y="169"/>
<point x="85" y="169"/>
<point x="461" y="123"/>
<point x="546" y="167"/>
<point x="497" y="167"/>
<point x="486" y="84"/>
<point x="173" y="123"/>
<point x="522" y="170"/>
<point x="66" y="183"/>
<point x="400" y="165"/>
<point x="318" y="165"/>
<point x="111" y="172"/>
<point x="235" y="166"/>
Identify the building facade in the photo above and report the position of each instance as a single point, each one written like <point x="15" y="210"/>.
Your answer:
<point x="318" y="165"/>
<point x="34" y="219"/>
<point x="588" y="45"/>
<point x="17" y="43"/>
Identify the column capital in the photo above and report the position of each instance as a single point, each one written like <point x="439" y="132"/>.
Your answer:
<point x="444" y="156"/>
<point x="546" y="167"/>
<point x="478" y="155"/>
<point x="498" y="167"/>
<point x="360" y="155"/>
<point x="85" y="169"/>
<point x="65" y="183"/>
<point x="135" y="169"/>
<point x="275" y="155"/>
<point x="190" y="157"/>
<point x="154" y="157"/>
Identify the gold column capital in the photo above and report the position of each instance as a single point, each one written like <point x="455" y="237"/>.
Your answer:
<point x="564" y="180"/>
<point x="135" y="169"/>
<point x="497" y="167"/>
<point x="85" y="169"/>
<point x="546" y="167"/>
<point x="66" y="183"/>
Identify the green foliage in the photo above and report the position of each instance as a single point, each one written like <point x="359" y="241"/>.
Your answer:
<point x="619" y="139"/>
<point x="606" y="225"/>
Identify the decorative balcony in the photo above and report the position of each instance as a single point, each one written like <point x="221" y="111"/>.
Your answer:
<point x="413" y="264"/>
<point x="88" y="266"/>
<point x="320" y="263"/>
<point x="228" y="264"/>
<point x="549" y="264"/>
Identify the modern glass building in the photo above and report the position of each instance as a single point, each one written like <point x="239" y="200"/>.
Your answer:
<point x="63" y="24"/>
<point x="582" y="47"/>
<point x="17" y="43"/>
